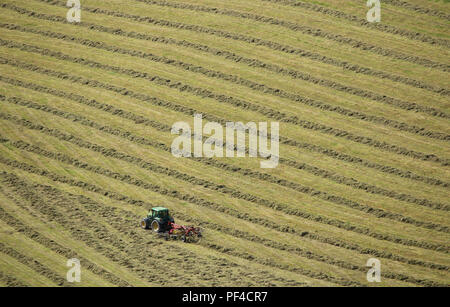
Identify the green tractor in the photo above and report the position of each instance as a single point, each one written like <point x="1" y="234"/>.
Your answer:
<point x="158" y="219"/>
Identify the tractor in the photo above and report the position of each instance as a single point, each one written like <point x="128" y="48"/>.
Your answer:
<point x="160" y="221"/>
<point x="157" y="219"/>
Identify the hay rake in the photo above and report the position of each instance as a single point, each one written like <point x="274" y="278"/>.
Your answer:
<point x="189" y="234"/>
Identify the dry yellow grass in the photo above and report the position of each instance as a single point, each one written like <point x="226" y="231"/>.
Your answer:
<point x="364" y="170"/>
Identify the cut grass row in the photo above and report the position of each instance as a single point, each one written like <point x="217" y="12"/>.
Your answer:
<point x="109" y="152"/>
<point x="421" y="129"/>
<point x="7" y="280"/>
<point x="189" y="112"/>
<point x="141" y="140"/>
<point x="311" y="169"/>
<point x="169" y="194"/>
<point x="150" y="166"/>
<point x="228" y="248"/>
<point x="198" y="92"/>
<point x="115" y="219"/>
<point x="35" y="265"/>
<point x="432" y="8"/>
<point x="15" y="274"/>
<point x="351" y="62"/>
<point x="95" y="104"/>
<point x="73" y="29"/>
<point x="304" y="28"/>
<point x="355" y="13"/>
<point x="226" y="77"/>
<point x="52" y="245"/>
<point x="203" y="93"/>
<point x="226" y="190"/>
<point x="144" y="248"/>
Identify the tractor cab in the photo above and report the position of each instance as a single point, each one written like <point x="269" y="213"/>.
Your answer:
<point x="158" y="219"/>
<point x="159" y="213"/>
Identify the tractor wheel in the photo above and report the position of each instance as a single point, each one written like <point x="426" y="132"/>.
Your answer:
<point x="183" y="238"/>
<point x="144" y="224"/>
<point x="156" y="227"/>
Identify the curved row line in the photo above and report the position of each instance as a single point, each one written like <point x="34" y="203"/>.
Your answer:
<point x="296" y="250"/>
<point x="59" y="249"/>
<point x="328" y="197"/>
<point x="416" y="8"/>
<point x="309" y="30"/>
<point x="35" y="265"/>
<point x="260" y="42"/>
<point x="229" y="56"/>
<point x="190" y="111"/>
<point x="127" y="257"/>
<point x="192" y="198"/>
<point x="241" y="103"/>
<point x="96" y="208"/>
<point x="152" y="167"/>
<point x="214" y="74"/>
<point x="149" y="257"/>
<point x="315" y="32"/>
<point x="114" y="195"/>
<point x="140" y="120"/>
<point x="204" y="93"/>
<point x="162" y="127"/>
<point x="11" y="281"/>
<point x="302" y="166"/>
<point x="110" y="152"/>
<point x="363" y="22"/>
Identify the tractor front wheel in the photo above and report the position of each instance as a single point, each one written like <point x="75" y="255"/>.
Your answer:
<point x="156" y="227"/>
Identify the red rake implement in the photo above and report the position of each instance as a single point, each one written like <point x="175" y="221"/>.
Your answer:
<point x="189" y="234"/>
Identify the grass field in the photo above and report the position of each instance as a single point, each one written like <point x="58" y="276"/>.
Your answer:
<point x="86" y="111"/>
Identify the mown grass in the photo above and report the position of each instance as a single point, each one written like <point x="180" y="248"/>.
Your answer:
<point x="127" y="190"/>
<point x="243" y="235"/>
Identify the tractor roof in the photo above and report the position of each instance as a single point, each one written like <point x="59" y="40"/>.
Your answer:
<point x="159" y="209"/>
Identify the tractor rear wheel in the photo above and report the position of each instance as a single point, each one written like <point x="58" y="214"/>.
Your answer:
<point x="156" y="227"/>
<point x="144" y="224"/>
